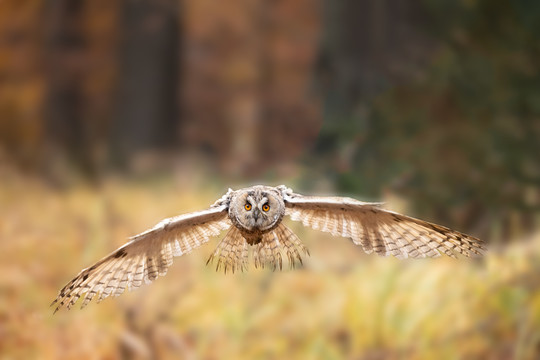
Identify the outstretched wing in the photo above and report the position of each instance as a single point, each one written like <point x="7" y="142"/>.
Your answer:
<point x="146" y="256"/>
<point x="377" y="230"/>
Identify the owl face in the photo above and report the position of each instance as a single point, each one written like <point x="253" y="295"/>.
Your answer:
<point x="258" y="209"/>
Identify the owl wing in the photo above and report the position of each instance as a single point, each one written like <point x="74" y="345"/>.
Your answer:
<point x="378" y="230"/>
<point x="144" y="257"/>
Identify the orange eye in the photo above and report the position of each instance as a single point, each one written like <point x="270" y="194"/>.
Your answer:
<point x="266" y="207"/>
<point x="247" y="207"/>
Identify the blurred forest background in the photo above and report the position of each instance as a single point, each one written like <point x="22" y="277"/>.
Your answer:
<point x="117" y="113"/>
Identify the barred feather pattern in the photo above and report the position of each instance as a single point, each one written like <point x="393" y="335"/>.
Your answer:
<point x="231" y="252"/>
<point x="281" y="240"/>
<point x="150" y="254"/>
<point x="381" y="231"/>
<point x="144" y="258"/>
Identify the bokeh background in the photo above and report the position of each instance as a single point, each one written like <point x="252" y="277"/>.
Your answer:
<point x="117" y="113"/>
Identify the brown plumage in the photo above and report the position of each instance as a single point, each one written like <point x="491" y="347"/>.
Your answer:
<point x="255" y="217"/>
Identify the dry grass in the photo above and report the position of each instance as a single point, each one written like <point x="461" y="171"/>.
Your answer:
<point x="342" y="304"/>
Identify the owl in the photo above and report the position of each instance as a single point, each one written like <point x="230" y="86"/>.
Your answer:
<point x="254" y="219"/>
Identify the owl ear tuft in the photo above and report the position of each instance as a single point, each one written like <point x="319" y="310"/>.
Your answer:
<point x="224" y="200"/>
<point x="284" y="190"/>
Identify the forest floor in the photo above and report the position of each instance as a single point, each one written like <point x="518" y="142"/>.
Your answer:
<point x="341" y="304"/>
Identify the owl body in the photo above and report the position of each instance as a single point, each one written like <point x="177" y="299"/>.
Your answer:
<point x="253" y="217"/>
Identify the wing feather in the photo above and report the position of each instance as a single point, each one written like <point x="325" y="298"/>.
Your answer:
<point x="378" y="230"/>
<point x="145" y="257"/>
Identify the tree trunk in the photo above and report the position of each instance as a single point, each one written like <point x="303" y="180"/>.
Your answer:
<point x="148" y="86"/>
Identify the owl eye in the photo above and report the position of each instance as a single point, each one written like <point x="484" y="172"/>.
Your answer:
<point x="266" y="207"/>
<point x="247" y="206"/>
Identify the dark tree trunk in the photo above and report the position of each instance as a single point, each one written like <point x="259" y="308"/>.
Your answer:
<point x="368" y="45"/>
<point x="81" y="60"/>
<point x="147" y="113"/>
<point x="65" y="127"/>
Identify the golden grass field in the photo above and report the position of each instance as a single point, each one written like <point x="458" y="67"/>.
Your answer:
<point x="342" y="305"/>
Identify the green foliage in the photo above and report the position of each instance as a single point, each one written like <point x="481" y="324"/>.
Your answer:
<point x="462" y="138"/>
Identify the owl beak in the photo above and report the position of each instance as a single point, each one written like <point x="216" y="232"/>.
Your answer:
<point x="256" y="214"/>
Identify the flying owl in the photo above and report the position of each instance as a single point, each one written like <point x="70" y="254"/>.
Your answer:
<point x="254" y="217"/>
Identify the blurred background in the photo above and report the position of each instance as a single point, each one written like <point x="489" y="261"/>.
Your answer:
<point x="117" y="113"/>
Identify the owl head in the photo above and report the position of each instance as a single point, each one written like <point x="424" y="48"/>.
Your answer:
<point x="257" y="209"/>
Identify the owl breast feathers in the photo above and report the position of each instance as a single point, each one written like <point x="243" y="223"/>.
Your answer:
<point x="254" y="218"/>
